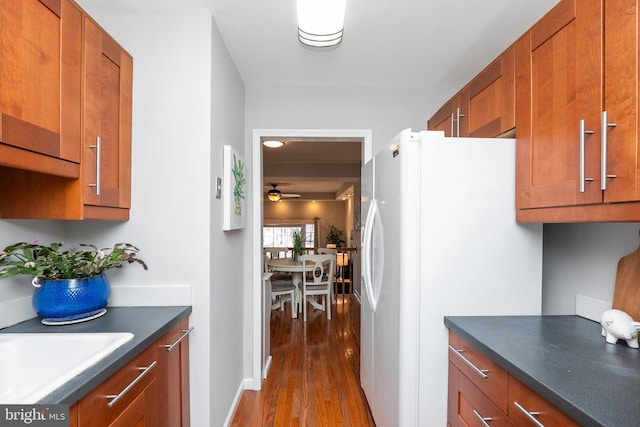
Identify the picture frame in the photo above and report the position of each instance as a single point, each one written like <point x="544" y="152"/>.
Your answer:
<point x="234" y="185"/>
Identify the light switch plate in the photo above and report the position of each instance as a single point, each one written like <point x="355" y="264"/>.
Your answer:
<point x="218" y="187"/>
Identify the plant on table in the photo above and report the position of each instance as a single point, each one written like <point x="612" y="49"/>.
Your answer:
<point x="297" y="243"/>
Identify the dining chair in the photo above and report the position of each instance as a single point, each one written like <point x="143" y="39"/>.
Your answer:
<point x="317" y="280"/>
<point x="334" y="252"/>
<point x="281" y="287"/>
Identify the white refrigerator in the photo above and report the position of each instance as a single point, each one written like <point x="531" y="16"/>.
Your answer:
<point x="439" y="238"/>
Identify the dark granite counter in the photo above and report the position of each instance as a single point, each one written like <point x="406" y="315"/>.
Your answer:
<point x="147" y="324"/>
<point x="565" y="360"/>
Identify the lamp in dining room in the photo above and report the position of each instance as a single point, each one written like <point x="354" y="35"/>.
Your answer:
<point x="274" y="194"/>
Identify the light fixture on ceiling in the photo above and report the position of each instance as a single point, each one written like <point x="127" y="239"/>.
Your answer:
<point x="274" y="194"/>
<point x="320" y="22"/>
<point x="273" y="143"/>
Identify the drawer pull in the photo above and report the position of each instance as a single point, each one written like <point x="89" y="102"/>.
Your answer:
<point x="482" y="419"/>
<point x="481" y="372"/>
<point x="115" y="397"/>
<point x="528" y="414"/>
<point x="184" y="335"/>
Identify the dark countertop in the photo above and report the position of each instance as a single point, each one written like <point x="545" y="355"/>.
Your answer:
<point x="565" y="360"/>
<point x="147" y="324"/>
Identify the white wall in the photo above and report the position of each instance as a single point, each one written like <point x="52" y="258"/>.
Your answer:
<point x="228" y="265"/>
<point x="385" y="111"/>
<point x="582" y="259"/>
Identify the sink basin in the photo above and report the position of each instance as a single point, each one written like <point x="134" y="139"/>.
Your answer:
<point x="34" y="365"/>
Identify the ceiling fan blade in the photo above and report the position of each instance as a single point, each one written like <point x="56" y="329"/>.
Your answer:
<point x="290" y="196"/>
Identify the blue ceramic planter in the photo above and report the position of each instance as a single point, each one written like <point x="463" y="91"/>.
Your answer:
<point x="64" y="298"/>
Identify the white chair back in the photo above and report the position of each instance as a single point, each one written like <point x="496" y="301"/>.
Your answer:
<point x="317" y="279"/>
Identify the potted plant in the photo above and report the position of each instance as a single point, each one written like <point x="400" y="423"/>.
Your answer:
<point x="70" y="284"/>
<point x="335" y="237"/>
<point x="297" y="245"/>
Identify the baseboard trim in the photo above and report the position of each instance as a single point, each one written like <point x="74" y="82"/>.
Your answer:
<point x="244" y="385"/>
<point x="267" y="365"/>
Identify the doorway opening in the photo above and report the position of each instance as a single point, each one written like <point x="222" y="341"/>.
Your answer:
<point x="260" y="319"/>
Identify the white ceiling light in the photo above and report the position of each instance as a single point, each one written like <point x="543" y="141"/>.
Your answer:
<point x="273" y="143"/>
<point x="320" y="22"/>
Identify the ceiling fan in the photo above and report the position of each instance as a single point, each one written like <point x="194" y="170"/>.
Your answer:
<point x="275" y="195"/>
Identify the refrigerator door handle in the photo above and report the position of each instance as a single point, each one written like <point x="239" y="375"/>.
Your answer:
<point x="366" y="255"/>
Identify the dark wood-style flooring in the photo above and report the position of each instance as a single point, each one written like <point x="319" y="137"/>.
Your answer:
<point x="314" y="379"/>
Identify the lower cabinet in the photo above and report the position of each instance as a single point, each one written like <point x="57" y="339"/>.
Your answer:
<point x="481" y="393"/>
<point x="173" y="376"/>
<point x="151" y="390"/>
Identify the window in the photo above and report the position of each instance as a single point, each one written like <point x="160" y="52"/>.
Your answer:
<point x="282" y="235"/>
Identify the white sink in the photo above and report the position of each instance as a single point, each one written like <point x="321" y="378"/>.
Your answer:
<point x="34" y="365"/>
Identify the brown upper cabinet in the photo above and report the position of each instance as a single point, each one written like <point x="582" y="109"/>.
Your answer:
<point x="41" y="75"/>
<point x="577" y="103"/>
<point x="102" y="103"/>
<point x="483" y="108"/>
<point x="450" y="118"/>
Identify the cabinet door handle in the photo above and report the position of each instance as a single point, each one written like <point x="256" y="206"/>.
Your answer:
<point x="453" y="120"/>
<point x="170" y="347"/>
<point x="583" y="132"/>
<point x="603" y="158"/>
<point x="115" y="397"/>
<point x="481" y="372"/>
<point x="482" y="419"/>
<point x="460" y="115"/>
<point x="528" y="414"/>
<point x="98" y="148"/>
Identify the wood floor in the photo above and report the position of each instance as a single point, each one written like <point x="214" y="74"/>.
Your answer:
<point x="314" y="379"/>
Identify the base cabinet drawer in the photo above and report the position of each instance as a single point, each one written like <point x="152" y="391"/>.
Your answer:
<point x="476" y="409"/>
<point x="121" y="397"/>
<point x="527" y="408"/>
<point x="487" y="375"/>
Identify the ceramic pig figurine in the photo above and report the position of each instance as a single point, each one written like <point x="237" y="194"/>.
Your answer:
<point x="616" y="324"/>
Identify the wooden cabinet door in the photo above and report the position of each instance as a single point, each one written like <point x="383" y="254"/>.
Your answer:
<point x="620" y="162"/>
<point x="451" y="118"/>
<point x="107" y="120"/>
<point x="558" y="84"/>
<point x="142" y="412"/>
<point x="41" y="75"/>
<point x="491" y="110"/>
<point x="526" y="405"/>
<point x="173" y="376"/>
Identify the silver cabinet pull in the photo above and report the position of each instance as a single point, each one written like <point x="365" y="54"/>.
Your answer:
<point x="482" y="419"/>
<point x="583" y="132"/>
<point x="179" y="340"/>
<point x="460" y="115"/>
<point x="115" y="397"/>
<point x="98" y="148"/>
<point x="529" y="414"/>
<point x="603" y="158"/>
<point x="453" y="119"/>
<point x="481" y="372"/>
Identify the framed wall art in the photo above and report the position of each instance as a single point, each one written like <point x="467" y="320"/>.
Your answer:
<point x="234" y="185"/>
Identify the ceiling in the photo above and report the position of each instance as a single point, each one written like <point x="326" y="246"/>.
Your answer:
<point x="428" y="45"/>
<point x="317" y="170"/>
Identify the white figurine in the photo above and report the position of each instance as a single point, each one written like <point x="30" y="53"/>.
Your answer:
<point x="616" y="324"/>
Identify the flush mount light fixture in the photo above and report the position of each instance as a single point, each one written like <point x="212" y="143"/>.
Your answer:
<point x="273" y="143"/>
<point x="320" y="22"/>
<point x="274" y="194"/>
